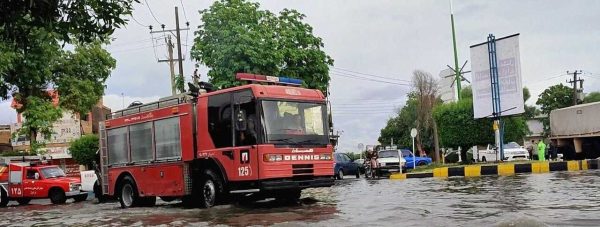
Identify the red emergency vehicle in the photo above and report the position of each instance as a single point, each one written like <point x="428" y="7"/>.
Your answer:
<point x="26" y="181"/>
<point x="265" y="139"/>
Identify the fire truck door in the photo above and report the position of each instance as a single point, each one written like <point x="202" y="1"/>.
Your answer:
<point x="245" y="163"/>
<point x="15" y="181"/>
<point x="30" y="188"/>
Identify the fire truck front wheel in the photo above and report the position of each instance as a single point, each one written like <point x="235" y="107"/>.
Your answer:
<point x="210" y="186"/>
<point x="3" y="197"/>
<point x="57" y="196"/>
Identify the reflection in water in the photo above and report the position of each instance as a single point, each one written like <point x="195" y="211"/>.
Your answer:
<point x="563" y="198"/>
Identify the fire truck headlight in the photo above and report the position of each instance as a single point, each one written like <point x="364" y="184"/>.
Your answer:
<point x="272" y="158"/>
<point x="326" y="157"/>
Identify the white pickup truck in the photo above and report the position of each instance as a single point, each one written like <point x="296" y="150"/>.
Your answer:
<point x="512" y="152"/>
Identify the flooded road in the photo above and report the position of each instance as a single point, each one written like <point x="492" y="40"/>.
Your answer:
<point x="553" y="199"/>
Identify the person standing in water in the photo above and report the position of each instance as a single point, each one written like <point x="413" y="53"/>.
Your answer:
<point x="541" y="151"/>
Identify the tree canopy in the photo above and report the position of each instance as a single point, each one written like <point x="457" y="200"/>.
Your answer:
<point x="592" y="97"/>
<point x="84" y="149"/>
<point x="555" y="97"/>
<point x="56" y="45"/>
<point x="237" y="36"/>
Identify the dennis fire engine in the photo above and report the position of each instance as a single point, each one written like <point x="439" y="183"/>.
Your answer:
<point x="26" y="181"/>
<point x="266" y="139"/>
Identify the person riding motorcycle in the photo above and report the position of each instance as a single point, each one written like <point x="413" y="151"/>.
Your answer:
<point x="371" y="161"/>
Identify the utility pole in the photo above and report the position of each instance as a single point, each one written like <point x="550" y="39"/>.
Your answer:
<point x="171" y="64"/>
<point x="179" y="42"/>
<point x="574" y="82"/>
<point x="170" y="47"/>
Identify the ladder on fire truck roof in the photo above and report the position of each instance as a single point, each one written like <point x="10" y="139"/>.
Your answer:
<point x="163" y="102"/>
<point x="103" y="159"/>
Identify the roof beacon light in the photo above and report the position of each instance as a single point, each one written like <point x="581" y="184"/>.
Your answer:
<point x="268" y="79"/>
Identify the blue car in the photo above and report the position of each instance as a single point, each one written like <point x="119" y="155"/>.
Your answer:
<point x="344" y="166"/>
<point x="411" y="160"/>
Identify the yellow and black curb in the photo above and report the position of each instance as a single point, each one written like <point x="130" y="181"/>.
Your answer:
<point x="504" y="169"/>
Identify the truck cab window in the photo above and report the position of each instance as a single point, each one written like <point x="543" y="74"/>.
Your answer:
<point x="31" y="174"/>
<point x="245" y="104"/>
<point x="220" y="120"/>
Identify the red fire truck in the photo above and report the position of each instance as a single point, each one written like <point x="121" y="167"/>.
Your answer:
<point x="26" y="181"/>
<point x="266" y="139"/>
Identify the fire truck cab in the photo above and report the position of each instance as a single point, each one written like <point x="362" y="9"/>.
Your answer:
<point x="250" y="141"/>
<point x="26" y="181"/>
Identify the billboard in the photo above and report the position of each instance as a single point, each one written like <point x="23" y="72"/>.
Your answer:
<point x="509" y="75"/>
<point x="446" y="85"/>
<point x="64" y="130"/>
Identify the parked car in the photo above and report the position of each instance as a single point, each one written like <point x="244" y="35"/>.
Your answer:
<point x="512" y="152"/>
<point x="411" y="161"/>
<point x="344" y="166"/>
<point x="361" y="164"/>
<point x="389" y="162"/>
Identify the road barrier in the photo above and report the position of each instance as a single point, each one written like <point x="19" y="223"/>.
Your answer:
<point x="503" y="169"/>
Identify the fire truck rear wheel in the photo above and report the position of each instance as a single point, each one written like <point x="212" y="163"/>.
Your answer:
<point x="128" y="195"/>
<point x="3" y="198"/>
<point x="23" y="201"/>
<point x="57" y="196"/>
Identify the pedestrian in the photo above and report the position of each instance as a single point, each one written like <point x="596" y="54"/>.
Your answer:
<point x="553" y="151"/>
<point x="541" y="150"/>
<point x="530" y="149"/>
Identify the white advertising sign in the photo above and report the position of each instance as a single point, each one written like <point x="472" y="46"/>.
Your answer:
<point x="509" y="75"/>
<point x="447" y="89"/>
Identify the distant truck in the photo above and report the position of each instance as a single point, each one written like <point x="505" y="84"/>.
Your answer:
<point x="512" y="152"/>
<point x="576" y="131"/>
<point x="25" y="181"/>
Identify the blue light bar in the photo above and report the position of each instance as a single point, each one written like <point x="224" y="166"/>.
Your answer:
<point x="269" y="79"/>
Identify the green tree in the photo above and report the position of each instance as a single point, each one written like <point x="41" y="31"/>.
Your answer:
<point x="592" y="97"/>
<point x="457" y="127"/>
<point x="33" y="59"/>
<point x="84" y="149"/>
<point x="554" y="97"/>
<point x="236" y="36"/>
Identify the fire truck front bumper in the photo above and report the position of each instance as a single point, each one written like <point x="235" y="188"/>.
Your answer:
<point x="74" y="193"/>
<point x="269" y="185"/>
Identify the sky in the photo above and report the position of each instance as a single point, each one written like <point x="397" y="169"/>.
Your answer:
<point x="371" y="41"/>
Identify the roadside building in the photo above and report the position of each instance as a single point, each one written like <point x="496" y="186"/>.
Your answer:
<point x="68" y="128"/>
<point x="5" y="135"/>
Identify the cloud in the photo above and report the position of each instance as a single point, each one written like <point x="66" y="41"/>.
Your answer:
<point x="117" y="102"/>
<point x="8" y="115"/>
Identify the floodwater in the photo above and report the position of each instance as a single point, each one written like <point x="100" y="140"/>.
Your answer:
<point x="552" y="199"/>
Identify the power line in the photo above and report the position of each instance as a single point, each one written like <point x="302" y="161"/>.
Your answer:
<point x="184" y="14"/>
<point x="136" y="21"/>
<point x="368" y="79"/>
<point x="367" y="74"/>
<point x="151" y="13"/>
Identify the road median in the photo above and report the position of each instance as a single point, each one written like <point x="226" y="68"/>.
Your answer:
<point x="502" y="169"/>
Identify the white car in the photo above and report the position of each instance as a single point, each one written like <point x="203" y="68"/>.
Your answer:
<point x="512" y="152"/>
<point x="389" y="160"/>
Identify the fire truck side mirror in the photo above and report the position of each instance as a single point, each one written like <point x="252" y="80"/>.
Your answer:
<point x="240" y="119"/>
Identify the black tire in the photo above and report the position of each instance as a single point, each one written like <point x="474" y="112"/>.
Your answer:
<point x="80" y="198"/>
<point x="483" y="159"/>
<point x="357" y="173"/>
<point x="128" y="193"/>
<point x="3" y="197"/>
<point x="23" y="201"/>
<point x="168" y="198"/>
<point x="421" y="163"/>
<point x="340" y="174"/>
<point x="57" y="196"/>
<point x="98" y="193"/>
<point x="148" y="201"/>
<point x="210" y="188"/>
<point x="291" y="196"/>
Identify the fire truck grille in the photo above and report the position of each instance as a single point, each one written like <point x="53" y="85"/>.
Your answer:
<point x="302" y="169"/>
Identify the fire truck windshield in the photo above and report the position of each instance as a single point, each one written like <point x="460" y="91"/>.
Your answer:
<point x="294" y="123"/>
<point x="52" y="172"/>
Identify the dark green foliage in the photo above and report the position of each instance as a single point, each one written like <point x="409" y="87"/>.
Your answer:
<point x="84" y="149"/>
<point x="592" y="97"/>
<point x="33" y="59"/>
<point x="236" y="36"/>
